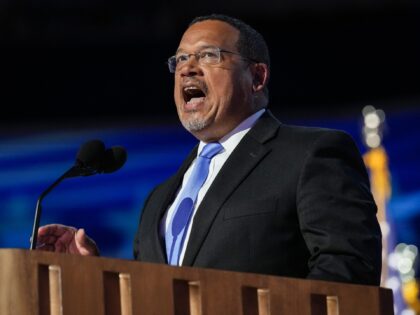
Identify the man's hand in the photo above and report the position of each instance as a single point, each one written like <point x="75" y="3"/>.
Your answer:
<point x="66" y="239"/>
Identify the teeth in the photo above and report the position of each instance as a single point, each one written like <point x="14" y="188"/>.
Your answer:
<point x="188" y="88"/>
<point x="196" y="100"/>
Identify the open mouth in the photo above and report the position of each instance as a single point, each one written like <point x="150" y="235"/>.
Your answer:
<point x="193" y="94"/>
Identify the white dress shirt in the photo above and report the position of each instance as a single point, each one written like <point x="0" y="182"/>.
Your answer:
<point x="229" y="143"/>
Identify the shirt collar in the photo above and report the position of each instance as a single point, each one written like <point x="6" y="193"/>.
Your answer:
<point x="231" y="140"/>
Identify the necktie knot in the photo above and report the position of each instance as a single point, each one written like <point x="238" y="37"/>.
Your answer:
<point x="210" y="150"/>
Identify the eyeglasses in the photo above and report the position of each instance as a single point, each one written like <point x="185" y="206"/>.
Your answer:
<point x="206" y="56"/>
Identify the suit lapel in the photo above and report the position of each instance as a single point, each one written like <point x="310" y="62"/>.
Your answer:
<point x="158" y="251"/>
<point x="176" y="183"/>
<point x="246" y="156"/>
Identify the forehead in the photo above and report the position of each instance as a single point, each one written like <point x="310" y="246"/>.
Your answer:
<point x="209" y="33"/>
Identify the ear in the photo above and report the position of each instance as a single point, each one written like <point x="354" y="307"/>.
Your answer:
<point x="260" y="76"/>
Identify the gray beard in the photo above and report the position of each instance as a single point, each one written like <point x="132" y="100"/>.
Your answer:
<point x="195" y="124"/>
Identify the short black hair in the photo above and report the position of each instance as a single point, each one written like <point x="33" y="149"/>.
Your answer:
<point x="251" y="43"/>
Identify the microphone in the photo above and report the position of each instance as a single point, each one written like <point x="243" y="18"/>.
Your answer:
<point x="114" y="159"/>
<point x="91" y="159"/>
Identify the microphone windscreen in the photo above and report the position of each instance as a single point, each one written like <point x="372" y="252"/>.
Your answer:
<point x="91" y="154"/>
<point x="115" y="158"/>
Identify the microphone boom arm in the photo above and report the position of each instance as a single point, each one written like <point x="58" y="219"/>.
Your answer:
<point x="91" y="159"/>
<point x="74" y="171"/>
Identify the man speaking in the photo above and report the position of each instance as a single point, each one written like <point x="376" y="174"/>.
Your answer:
<point x="255" y="195"/>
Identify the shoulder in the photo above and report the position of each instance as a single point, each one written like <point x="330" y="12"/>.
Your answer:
<point x="306" y="140"/>
<point x="324" y="144"/>
<point x="314" y="134"/>
<point x="269" y="127"/>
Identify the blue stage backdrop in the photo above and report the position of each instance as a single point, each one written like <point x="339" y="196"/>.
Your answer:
<point x="108" y="206"/>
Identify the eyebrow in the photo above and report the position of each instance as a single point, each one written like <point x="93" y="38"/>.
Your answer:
<point x="200" y="48"/>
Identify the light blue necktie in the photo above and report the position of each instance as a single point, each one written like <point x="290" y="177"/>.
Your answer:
<point x="175" y="234"/>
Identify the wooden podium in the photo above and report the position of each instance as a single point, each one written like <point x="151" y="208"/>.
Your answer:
<point x="34" y="282"/>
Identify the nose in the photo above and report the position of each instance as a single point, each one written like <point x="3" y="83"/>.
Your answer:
<point x="191" y="67"/>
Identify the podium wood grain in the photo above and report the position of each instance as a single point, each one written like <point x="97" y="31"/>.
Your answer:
<point x="95" y="285"/>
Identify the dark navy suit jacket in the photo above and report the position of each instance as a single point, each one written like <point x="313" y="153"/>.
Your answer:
<point x="289" y="201"/>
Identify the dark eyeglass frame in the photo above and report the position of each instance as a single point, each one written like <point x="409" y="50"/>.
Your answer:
<point x="200" y="56"/>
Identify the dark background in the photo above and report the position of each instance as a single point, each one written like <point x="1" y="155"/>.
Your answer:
<point x="76" y="70"/>
<point x="73" y="60"/>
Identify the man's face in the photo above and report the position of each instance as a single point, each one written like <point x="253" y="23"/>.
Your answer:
<point x="211" y="100"/>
